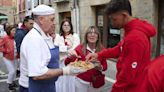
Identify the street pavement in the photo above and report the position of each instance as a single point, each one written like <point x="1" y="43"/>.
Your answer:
<point x="4" y="86"/>
<point x="110" y="77"/>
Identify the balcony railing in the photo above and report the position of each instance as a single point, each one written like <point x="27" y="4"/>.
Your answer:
<point x="60" y="1"/>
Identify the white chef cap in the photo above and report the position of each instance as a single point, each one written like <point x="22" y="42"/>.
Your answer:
<point x="43" y="10"/>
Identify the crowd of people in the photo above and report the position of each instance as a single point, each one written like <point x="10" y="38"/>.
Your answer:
<point x="44" y="56"/>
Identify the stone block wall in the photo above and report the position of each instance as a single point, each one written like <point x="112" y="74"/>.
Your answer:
<point x="144" y="9"/>
<point x="147" y="10"/>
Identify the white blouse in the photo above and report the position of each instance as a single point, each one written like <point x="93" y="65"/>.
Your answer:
<point x="73" y="40"/>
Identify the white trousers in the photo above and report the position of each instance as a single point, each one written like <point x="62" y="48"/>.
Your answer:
<point x="65" y="83"/>
<point x="83" y="86"/>
<point x="11" y="67"/>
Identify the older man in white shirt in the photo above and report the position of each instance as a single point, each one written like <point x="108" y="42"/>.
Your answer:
<point x="39" y="57"/>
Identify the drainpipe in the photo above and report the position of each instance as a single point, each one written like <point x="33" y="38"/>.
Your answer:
<point x="76" y="16"/>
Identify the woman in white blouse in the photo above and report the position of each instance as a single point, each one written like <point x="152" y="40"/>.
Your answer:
<point x="66" y="40"/>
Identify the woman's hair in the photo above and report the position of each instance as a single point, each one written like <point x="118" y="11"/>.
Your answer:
<point x="9" y="28"/>
<point x="5" y="25"/>
<point x="98" y="43"/>
<point x="61" y="27"/>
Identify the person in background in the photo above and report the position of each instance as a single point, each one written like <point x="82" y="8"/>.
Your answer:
<point x="22" y="31"/>
<point x="3" y="29"/>
<point x="39" y="57"/>
<point x="5" y="25"/>
<point x="20" y="24"/>
<point x="92" y="44"/>
<point x="133" y="51"/>
<point x="9" y="55"/>
<point x="53" y="34"/>
<point x="66" y="40"/>
<point x="1" y="39"/>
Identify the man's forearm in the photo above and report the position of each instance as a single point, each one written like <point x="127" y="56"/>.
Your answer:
<point x="50" y="74"/>
<point x="110" y="53"/>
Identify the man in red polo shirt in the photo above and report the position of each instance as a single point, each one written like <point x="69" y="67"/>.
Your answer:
<point x="133" y="51"/>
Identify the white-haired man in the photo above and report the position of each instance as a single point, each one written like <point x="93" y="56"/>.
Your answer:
<point x="39" y="57"/>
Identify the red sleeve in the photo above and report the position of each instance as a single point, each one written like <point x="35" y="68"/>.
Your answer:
<point x="69" y="59"/>
<point x="8" y="46"/>
<point x="103" y="63"/>
<point x="73" y="58"/>
<point x="132" y="58"/>
<point x="110" y="52"/>
<point x="2" y="42"/>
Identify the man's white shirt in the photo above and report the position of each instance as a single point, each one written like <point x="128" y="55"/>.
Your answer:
<point x="34" y="54"/>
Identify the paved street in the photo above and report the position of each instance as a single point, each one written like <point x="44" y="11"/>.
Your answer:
<point x="3" y="84"/>
<point x="110" y="75"/>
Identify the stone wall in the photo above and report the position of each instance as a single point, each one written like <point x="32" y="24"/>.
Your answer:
<point x="144" y="9"/>
<point x="59" y="8"/>
<point x="147" y="10"/>
<point x="7" y="10"/>
<point x="5" y="2"/>
<point x="88" y="13"/>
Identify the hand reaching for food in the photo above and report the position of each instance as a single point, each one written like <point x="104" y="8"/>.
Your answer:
<point x="91" y="57"/>
<point x="72" y="53"/>
<point x="97" y="65"/>
<point x="69" y="43"/>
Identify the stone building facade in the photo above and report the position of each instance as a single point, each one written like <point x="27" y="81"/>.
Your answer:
<point x="7" y="11"/>
<point x="84" y="13"/>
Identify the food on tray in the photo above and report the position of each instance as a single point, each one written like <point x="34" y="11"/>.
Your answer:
<point x="82" y="64"/>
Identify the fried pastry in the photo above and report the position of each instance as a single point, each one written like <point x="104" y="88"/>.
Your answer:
<point x="82" y="64"/>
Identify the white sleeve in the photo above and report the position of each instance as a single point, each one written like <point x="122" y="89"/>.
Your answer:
<point x="59" y="41"/>
<point x="63" y="48"/>
<point x="56" y="40"/>
<point x="35" y="57"/>
<point x="76" y="41"/>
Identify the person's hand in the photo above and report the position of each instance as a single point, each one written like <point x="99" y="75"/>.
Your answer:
<point x="69" y="47"/>
<point x="97" y="65"/>
<point x="73" y="53"/>
<point x="91" y="57"/>
<point x="70" y="70"/>
<point x="69" y="43"/>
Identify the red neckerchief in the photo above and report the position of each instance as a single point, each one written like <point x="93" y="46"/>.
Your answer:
<point x="24" y="28"/>
<point x="64" y="36"/>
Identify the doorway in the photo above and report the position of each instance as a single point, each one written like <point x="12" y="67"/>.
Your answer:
<point x="160" y="37"/>
<point x="110" y="35"/>
<point x="64" y="15"/>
